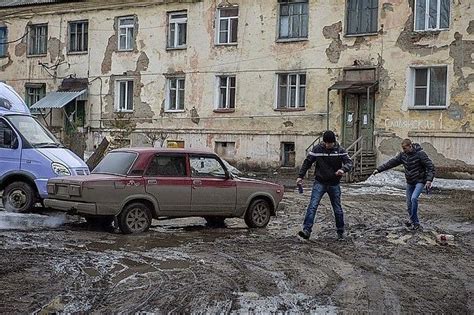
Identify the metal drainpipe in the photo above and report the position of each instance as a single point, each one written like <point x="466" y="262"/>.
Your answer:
<point x="327" y="110"/>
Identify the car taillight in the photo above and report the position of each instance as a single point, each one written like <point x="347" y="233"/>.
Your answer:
<point x="51" y="189"/>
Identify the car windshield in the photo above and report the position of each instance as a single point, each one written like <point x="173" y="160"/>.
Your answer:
<point x="36" y="135"/>
<point x="116" y="163"/>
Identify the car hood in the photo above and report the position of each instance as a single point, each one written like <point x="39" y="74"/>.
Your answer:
<point x="63" y="156"/>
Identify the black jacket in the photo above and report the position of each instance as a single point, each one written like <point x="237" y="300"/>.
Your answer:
<point x="327" y="162"/>
<point x="418" y="166"/>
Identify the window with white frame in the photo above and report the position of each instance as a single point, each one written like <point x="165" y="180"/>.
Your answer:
<point x="429" y="87"/>
<point x="78" y="36"/>
<point x="293" y="21"/>
<point x="37" y="39"/>
<point x="228" y="21"/>
<point x="175" y="95"/>
<point x="126" y="26"/>
<point x="177" y="29"/>
<point x="3" y="39"/>
<point x="34" y="92"/>
<point x="226" y="92"/>
<point x="124" y="95"/>
<point x="291" y="91"/>
<point x="432" y="15"/>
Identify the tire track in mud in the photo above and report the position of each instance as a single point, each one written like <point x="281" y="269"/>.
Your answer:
<point x="182" y="266"/>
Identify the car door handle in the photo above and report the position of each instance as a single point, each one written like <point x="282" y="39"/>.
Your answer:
<point x="196" y="183"/>
<point x="152" y="182"/>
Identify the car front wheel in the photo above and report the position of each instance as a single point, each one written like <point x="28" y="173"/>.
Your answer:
<point x="134" y="218"/>
<point x="19" y="197"/>
<point x="258" y="214"/>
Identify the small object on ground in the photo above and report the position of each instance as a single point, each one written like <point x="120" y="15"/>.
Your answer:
<point x="303" y="234"/>
<point x="408" y="224"/>
<point x="445" y="239"/>
<point x="300" y="188"/>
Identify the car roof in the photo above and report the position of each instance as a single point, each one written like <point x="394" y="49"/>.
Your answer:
<point x="164" y="150"/>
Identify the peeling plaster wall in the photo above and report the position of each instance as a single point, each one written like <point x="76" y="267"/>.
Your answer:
<point x="255" y="126"/>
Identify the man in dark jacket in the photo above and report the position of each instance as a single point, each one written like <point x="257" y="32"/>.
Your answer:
<point x="331" y="161"/>
<point x="419" y="173"/>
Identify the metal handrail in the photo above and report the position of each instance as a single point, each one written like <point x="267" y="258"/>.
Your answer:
<point x="312" y="144"/>
<point x="357" y="157"/>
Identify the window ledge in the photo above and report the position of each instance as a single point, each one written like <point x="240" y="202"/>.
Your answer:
<point x="124" y="111"/>
<point x="290" y="109"/>
<point x="361" y="34"/>
<point x="35" y="56"/>
<point x="3" y="56"/>
<point x="292" y="40"/>
<point x="433" y="31"/>
<point x="224" y="110"/>
<point x="172" y="111"/>
<point x="427" y="107"/>
<point x="226" y="44"/>
<point x="176" y="48"/>
<point x="85" y="52"/>
<point x="124" y="50"/>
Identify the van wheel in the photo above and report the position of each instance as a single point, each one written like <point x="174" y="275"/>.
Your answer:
<point x="134" y="218"/>
<point x="19" y="197"/>
<point x="258" y="214"/>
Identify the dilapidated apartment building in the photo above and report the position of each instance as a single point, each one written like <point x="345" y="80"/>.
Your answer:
<point x="256" y="81"/>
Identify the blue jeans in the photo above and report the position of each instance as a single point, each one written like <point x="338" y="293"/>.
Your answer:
<point x="413" y="192"/>
<point x="317" y="193"/>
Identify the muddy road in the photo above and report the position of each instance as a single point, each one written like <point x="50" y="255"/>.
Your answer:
<point x="53" y="263"/>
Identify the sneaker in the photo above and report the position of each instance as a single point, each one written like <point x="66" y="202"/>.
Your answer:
<point x="408" y="224"/>
<point x="340" y="236"/>
<point x="304" y="234"/>
<point x="416" y="227"/>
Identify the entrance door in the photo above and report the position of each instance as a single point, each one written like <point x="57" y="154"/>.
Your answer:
<point x="358" y="120"/>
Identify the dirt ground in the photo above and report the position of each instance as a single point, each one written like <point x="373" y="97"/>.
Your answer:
<point x="183" y="266"/>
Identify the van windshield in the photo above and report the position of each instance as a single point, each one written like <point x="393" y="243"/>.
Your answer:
<point x="33" y="131"/>
<point x="116" y="163"/>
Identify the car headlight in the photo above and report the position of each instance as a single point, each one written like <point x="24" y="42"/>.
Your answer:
<point x="60" y="169"/>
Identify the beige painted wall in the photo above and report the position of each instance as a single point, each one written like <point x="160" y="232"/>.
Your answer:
<point x="255" y="61"/>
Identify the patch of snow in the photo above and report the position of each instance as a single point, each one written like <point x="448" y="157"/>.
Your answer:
<point x="397" y="179"/>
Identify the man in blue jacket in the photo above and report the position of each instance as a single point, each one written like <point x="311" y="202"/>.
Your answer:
<point x="331" y="162"/>
<point x="419" y="173"/>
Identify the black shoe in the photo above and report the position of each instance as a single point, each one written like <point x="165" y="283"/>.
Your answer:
<point x="416" y="227"/>
<point x="408" y="224"/>
<point x="304" y="234"/>
<point x="340" y="236"/>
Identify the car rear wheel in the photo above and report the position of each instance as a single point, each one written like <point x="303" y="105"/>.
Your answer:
<point x="100" y="221"/>
<point x="213" y="221"/>
<point x="258" y="214"/>
<point x="19" y="197"/>
<point x="134" y="218"/>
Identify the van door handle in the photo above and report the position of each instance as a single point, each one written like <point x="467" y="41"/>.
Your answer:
<point x="152" y="182"/>
<point x="196" y="183"/>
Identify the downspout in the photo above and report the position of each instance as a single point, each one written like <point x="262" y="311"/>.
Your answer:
<point x="327" y="110"/>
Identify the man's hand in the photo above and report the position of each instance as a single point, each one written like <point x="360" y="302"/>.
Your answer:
<point x="375" y="172"/>
<point x="299" y="181"/>
<point x="340" y="173"/>
<point x="428" y="185"/>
